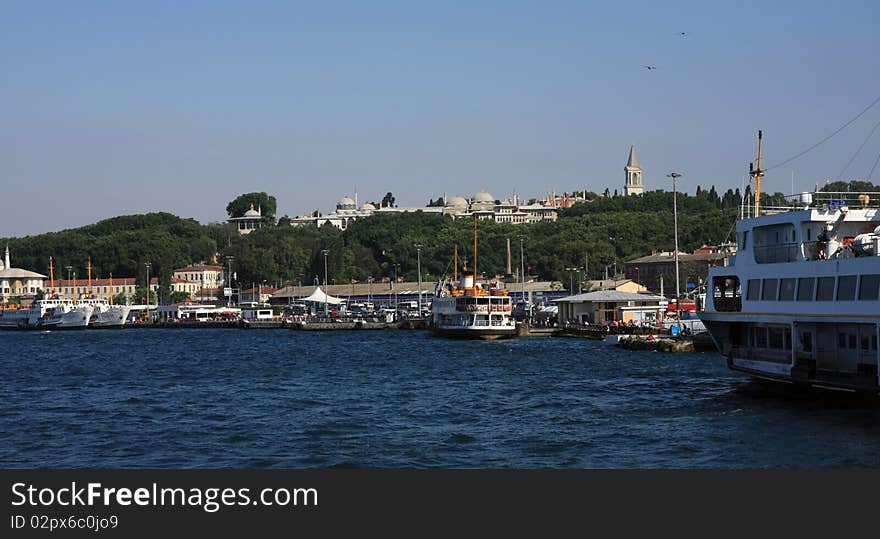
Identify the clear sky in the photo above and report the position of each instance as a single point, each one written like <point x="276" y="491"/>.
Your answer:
<point x="111" y="108"/>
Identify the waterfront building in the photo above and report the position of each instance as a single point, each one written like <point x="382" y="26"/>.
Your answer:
<point x="605" y="307"/>
<point x="17" y="282"/>
<point x="258" y="294"/>
<point x="100" y="288"/>
<point x="250" y="221"/>
<point x="694" y="267"/>
<point x="633" y="171"/>
<point x="206" y="275"/>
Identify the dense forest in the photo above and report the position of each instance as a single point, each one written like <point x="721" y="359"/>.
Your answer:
<point x="604" y="231"/>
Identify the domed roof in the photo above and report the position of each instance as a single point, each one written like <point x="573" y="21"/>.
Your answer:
<point x="252" y="212"/>
<point x="483" y="197"/>
<point x="366" y="206"/>
<point x="457" y="202"/>
<point x="346" y="203"/>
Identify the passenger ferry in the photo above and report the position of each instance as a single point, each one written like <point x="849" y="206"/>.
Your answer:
<point x="49" y="313"/>
<point x="104" y="313"/>
<point x="800" y="301"/>
<point x="468" y="310"/>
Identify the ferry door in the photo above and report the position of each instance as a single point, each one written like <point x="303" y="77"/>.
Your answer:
<point x="826" y="346"/>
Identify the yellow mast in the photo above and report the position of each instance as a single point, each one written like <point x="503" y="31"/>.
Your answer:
<point x="455" y="264"/>
<point x="756" y="172"/>
<point x="51" y="278"/>
<point x="111" y="288"/>
<point x="75" y="296"/>
<point x="90" y="276"/>
<point x="475" y="252"/>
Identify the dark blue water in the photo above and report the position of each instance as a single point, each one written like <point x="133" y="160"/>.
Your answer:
<point x="289" y="399"/>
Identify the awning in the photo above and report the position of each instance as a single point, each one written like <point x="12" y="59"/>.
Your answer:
<point x="319" y="296"/>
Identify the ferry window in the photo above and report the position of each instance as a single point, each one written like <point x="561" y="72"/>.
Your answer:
<point x="846" y="288"/>
<point x="805" y="288"/>
<point x="865" y="343"/>
<point x="776" y="338"/>
<point x="760" y="337"/>
<point x="869" y="287"/>
<point x="754" y="291"/>
<point x="825" y="289"/>
<point x="841" y="340"/>
<point x="786" y="289"/>
<point x="768" y="293"/>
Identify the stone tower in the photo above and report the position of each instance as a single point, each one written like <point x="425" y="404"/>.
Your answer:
<point x="633" y="171"/>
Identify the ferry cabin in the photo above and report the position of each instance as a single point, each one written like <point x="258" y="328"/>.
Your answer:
<point x="801" y="299"/>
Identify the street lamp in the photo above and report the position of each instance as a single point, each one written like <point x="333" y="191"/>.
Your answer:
<point x="674" y="176"/>
<point x="638" y="276"/>
<point x="419" y="269"/>
<point x="396" y="266"/>
<point x="571" y="272"/>
<point x="522" y="272"/>
<point x="148" y="266"/>
<point x="325" y="252"/>
<point x="229" y="259"/>
<point x="69" y="282"/>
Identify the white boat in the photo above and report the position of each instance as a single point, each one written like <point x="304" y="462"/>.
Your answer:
<point x="800" y="301"/>
<point x="104" y="314"/>
<point x="468" y="310"/>
<point x="54" y="313"/>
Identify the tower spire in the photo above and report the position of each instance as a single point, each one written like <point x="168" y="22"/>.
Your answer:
<point x="633" y="170"/>
<point x="6" y="262"/>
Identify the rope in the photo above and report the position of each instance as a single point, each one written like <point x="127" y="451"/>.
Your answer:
<point x="851" y="159"/>
<point x="824" y="140"/>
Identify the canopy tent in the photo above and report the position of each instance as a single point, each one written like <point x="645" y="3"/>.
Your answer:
<point x="319" y="296"/>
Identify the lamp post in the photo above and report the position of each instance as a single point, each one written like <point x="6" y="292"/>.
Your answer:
<point x="148" y="266"/>
<point x="571" y="272"/>
<point x="522" y="271"/>
<point x="229" y="259"/>
<point x="370" y="294"/>
<point x="638" y="276"/>
<point x="396" y="266"/>
<point x="325" y="252"/>
<point x="419" y="269"/>
<point x="69" y="282"/>
<point x="674" y="176"/>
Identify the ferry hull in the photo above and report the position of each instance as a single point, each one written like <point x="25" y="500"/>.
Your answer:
<point x="475" y="333"/>
<point x="114" y="317"/>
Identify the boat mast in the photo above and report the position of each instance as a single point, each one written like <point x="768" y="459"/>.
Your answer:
<point x="51" y="278"/>
<point x="111" y="288"/>
<point x="455" y="264"/>
<point x="756" y="172"/>
<point x="89" y="266"/>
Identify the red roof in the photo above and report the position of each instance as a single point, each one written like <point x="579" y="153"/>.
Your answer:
<point x="96" y="282"/>
<point x="265" y="290"/>
<point x="200" y="267"/>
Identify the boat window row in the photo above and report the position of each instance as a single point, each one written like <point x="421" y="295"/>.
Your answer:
<point x="840" y="288"/>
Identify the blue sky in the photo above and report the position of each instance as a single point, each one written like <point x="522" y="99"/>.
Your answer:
<point x="115" y="108"/>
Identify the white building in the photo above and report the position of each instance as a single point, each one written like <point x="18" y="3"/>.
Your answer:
<point x="347" y="211"/>
<point x="17" y="282"/>
<point x="250" y="221"/>
<point x="206" y="276"/>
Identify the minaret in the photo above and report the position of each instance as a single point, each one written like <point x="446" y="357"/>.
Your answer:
<point x="633" y="170"/>
<point x="6" y="264"/>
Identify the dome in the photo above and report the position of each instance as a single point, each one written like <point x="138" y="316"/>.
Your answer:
<point x="368" y="207"/>
<point x="457" y="202"/>
<point x="345" y="203"/>
<point x="484" y="198"/>
<point x="252" y="212"/>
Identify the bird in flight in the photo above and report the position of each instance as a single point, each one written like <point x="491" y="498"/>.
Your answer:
<point x="650" y="67"/>
<point x="682" y="34"/>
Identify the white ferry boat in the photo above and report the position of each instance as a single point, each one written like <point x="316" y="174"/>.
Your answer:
<point x="50" y="313"/>
<point x="468" y="310"/>
<point x="104" y="314"/>
<point x="54" y="313"/>
<point x="800" y="301"/>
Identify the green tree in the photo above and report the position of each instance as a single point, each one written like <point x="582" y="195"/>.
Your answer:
<point x="388" y="200"/>
<point x="242" y="203"/>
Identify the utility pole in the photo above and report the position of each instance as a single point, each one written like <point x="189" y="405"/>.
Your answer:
<point x="325" y="252"/>
<point x="148" y="266"/>
<point x="674" y="176"/>
<point x="229" y="259"/>
<point x="522" y="273"/>
<point x="419" y="269"/>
